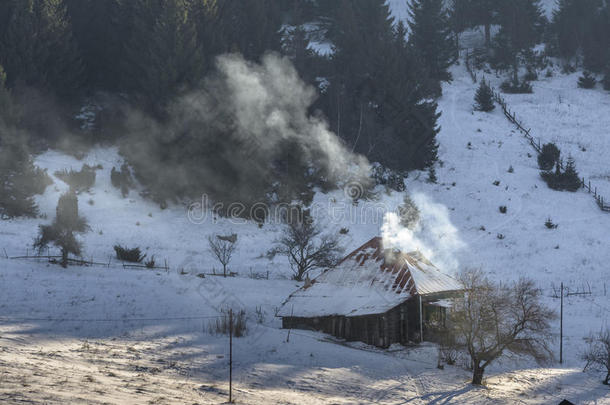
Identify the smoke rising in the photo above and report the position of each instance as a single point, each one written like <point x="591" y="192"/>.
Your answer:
<point x="434" y="236"/>
<point x="233" y="138"/>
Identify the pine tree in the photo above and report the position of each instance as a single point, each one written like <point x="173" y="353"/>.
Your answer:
<point x="430" y="36"/>
<point x="62" y="231"/>
<point x="596" y="47"/>
<point x="484" y="100"/>
<point x="569" y="179"/>
<point x="19" y="178"/>
<point x="100" y="27"/>
<point x="483" y="12"/>
<point x="162" y="55"/>
<point x="37" y="47"/>
<point x="521" y="26"/>
<point x="376" y="101"/>
<point x="570" y="25"/>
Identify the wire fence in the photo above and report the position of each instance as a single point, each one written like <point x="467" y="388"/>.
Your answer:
<point x="535" y="143"/>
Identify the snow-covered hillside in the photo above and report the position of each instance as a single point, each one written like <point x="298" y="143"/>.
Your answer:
<point x="95" y="334"/>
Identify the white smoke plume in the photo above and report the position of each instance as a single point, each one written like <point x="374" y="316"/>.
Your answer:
<point x="434" y="236"/>
<point x="231" y="130"/>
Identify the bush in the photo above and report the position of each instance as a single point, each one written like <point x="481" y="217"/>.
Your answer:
<point x="503" y="209"/>
<point x="122" y="179"/>
<point x="549" y="156"/>
<point x="549" y="224"/>
<point x="133" y="255"/>
<point x="82" y="180"/>
<point x="484" y="99"/>
<point x="512" y="87"/>
<point x="586" y="81"/>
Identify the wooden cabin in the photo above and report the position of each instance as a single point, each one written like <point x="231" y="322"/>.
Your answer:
<point x="374" y="295"/>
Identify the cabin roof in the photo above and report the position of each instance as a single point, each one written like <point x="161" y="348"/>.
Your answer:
<point x="370" y="280"/>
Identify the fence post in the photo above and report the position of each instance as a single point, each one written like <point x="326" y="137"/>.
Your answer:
<point x="561" y="328"/>
<point x="230" y="355"/>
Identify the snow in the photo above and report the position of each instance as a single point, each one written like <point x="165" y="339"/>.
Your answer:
<point x="107" y="334"/>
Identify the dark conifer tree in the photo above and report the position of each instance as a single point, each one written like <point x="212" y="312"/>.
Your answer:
<point x="484" y="100"/>
<point x="521" y="27"/>
<point x="100" y="27"/>
<point x="19" y="178"/>
<point x="62" y="231"/>
<point x="163" y="55"/>
<point x="569" y="179"/>
<point x="570" y="24"/>
<point x="37" y="47"/>
<point x="430" y="36"/>
<point x="596" y="47"/>
<point x="375" y="100"/>
<point x="249" y="27"/>
<point x="483" y="12"/>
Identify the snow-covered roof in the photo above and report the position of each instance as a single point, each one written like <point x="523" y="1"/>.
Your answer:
<point x="370" y="280"/>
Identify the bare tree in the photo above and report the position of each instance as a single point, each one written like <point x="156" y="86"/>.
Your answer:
<point x="223" y="247"/>
<point x="489" y="321"/>
<point x="306" y="248"/>
<point x="597" y="354"/>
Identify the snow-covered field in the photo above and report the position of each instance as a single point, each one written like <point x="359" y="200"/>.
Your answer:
<point x="104" y="334"/>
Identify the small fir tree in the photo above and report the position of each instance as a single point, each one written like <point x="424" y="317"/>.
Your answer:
<point x="62" y="231"/>
<point x="569" y="179"/>
<point x="586" y="81"/>
<point x="484" y="100"/>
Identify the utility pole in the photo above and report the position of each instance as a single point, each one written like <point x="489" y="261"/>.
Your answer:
<point x="561" y="328"/>
<point x="230" y="355"/>
<point x="421" y="321"/>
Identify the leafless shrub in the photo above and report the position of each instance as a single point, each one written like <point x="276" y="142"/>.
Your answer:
<point x="223" y="247"/>
<point x="491" y="320"/>
<point x="597" y="354"/>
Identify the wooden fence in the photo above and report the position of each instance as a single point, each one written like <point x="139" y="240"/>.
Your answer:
<point x="535" y="143"/>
